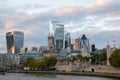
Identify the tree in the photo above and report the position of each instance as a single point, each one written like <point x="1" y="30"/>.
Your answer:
<point x="42" y="64"/>
<point x="51" y="61"/>
<point x="102" y="57"/>
<point x="115" y="58"/>
<point x="95" y="58"/>
<point x="28" y="61"/>
<point x="81" y="58"/>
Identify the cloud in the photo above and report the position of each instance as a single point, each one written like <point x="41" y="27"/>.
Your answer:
<point x="104" y="6"/>
<point x="100" y="5"/>
<point x="98" y="20"/>
<point x="67" y="10"/>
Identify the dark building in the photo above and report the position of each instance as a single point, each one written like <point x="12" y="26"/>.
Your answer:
<point x="93" y="47"/>
<point x="67" y="40"/>
<point x="15" y="41"/>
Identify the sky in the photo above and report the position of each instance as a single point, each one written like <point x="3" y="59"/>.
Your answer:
<point x="99" y="20"/>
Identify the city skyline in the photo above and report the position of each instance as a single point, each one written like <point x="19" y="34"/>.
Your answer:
<point x="98" y="19"/>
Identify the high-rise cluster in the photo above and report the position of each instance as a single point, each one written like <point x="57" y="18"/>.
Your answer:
<point x="83" y="45"/>
<point x="58" y="38"/>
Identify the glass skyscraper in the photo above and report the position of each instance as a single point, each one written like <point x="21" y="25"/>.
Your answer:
<point x="59" y="37"/>
<point x="85" y="46"/>
<point x="15" y="41"/>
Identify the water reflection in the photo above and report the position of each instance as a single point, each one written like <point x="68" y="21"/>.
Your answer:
<point x="22" y="76"/>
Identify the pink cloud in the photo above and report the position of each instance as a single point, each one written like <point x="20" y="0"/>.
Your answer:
<point x="66" y="10"/>
<point x="115" y="13"/>
<point x="98" y="6"/>
<point x="29" y="17"/>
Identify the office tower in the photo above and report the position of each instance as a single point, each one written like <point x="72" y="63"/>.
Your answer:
<point x="51" y="36"/>
<point x="14" y="41"/>
<point x="93" y="47"/>
<point x="53" y="26"/>
<point x="59" y="38"/>
<point x="85" y="46"/>
<point x="67" y="40"/>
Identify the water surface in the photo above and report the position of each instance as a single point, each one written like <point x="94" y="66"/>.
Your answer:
<point x="23" y="76"/>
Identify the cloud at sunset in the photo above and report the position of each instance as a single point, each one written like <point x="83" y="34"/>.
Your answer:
<point x="98" y="19"/>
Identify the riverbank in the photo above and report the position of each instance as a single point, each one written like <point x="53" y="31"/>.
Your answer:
<point x="96" y="74"/>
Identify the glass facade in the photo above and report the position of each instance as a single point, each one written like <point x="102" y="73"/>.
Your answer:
<point x="67" y="40"/>
<point x="15" y="41"/>
<point x="85" y="46"/>
<point x="59" y="37"/>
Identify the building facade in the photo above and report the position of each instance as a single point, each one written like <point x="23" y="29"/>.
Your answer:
<point x="50" y="42"/>
<point x="67" y="40"/>
<point x="53" y="26"/>
<point x="25" y="56"/>
<point x="15" y="41"/>
<point x="59" y="38"/>
<point x="85" y="46"/>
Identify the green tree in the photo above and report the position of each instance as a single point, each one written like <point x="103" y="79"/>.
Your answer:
<point x="95" y="58"/>
<point x="51" y="61"/>
<point x="81" y="58"/>
<point x="42" y="64"/>
<point x="115" y="58"/>
<point x="28" y="61"/>
<point x="102" y="57"/>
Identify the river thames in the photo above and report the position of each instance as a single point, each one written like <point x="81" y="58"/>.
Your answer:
<point x="23" y="76"/>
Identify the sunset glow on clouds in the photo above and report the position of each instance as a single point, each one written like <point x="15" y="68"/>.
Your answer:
<point x="98" y="19"/>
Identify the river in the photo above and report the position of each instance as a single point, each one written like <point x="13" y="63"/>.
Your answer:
<point x="23" y="76"/>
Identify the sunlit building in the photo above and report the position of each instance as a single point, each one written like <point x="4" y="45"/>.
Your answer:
<point x="15" y="41"/>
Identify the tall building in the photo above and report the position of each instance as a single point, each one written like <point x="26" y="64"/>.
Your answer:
<point x="93" y="47"/>
<point x="53" y="26"/>
<point x="85" y="46"/>
<point x="67" y="40"/>
<point x="59" y="38"/>
<point x="15" y="41"/>
<point x="76" y="45"/>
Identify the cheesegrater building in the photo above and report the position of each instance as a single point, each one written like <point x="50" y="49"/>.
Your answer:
<point x="15" y="41"/>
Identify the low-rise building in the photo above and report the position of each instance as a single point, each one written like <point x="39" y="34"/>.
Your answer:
<point x="23" y="57"/>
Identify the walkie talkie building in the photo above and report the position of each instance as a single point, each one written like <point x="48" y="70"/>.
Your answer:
<point x="15" y="41"/>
